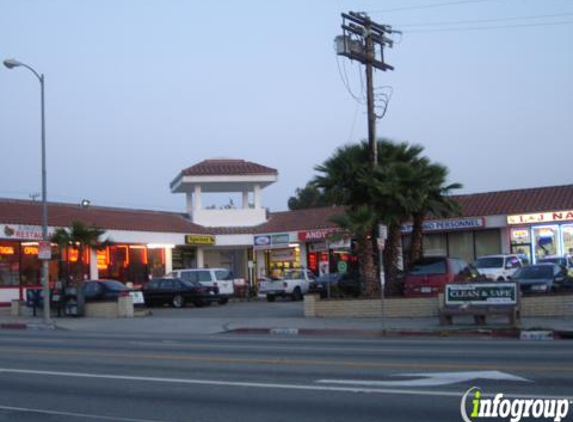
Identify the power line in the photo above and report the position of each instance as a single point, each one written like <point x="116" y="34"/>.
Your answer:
<point x="514" y="18"/>
<point x="484" y="28"/>
<point x="428" y="6"/>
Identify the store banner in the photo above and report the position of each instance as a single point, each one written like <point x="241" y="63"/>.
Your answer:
<point x="269" y="241"/>
<point x="194" y="239"/>
<point x="450" y="224"/>
<point x="315" y="235"/>
<point x="540" y="217"/>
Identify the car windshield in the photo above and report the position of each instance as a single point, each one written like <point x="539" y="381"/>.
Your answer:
<point x="489" y="263"/>
<point x="556" y="260"/>
<point x="222" y="275"/>
<point x="534" y="272"/>
<point x="428" y="266"/>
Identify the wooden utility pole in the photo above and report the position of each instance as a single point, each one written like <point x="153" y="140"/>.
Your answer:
<point x="358" y="42"/>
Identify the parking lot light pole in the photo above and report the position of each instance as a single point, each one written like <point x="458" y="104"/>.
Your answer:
<point x="10" y="64"/>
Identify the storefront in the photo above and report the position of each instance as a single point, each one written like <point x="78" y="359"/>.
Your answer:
<point x="276" y="252"/>
<point x="328" y="252"/>
<point x="540" y="235"/>
<point x="465" y="238"/>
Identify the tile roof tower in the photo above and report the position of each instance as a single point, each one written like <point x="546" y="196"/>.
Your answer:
<point x="225" y="176"/>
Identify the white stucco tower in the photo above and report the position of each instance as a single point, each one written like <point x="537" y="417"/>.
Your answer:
<point x="225" y="176"/>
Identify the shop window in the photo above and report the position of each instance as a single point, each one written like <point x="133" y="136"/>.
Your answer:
<point x="435" y="245"/>
<point x="545" y="241"/>
<point x="487" y="242"/>
<point x="567" y="238"/>
<point x="461" y="245"/>
<point x="30" y="265"/>
<point x="9" y="263"/>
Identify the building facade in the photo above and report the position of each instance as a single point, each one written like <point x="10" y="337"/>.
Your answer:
<point x="252" y="242"/>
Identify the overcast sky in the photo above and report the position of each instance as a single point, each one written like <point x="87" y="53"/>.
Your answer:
<point x="138" y="90"/>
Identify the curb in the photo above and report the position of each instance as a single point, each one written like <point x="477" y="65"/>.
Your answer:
<point x="26" y="326"/>
<point x="507" y="333"/>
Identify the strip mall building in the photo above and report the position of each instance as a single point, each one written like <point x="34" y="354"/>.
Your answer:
<point x="251" y="241"/>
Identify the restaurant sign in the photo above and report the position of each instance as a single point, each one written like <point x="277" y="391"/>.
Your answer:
<point x="481" y="294"/>
<point x="23" y="232"/>
<point x="540" y="217"/>
<point x="449" y="224"/>
<point x="193" y="239"/>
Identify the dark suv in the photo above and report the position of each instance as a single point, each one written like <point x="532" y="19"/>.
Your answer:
<point x="429" y="275"/>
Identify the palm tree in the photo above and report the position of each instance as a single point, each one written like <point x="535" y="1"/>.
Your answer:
<point x="432" y="198"/>
<point x="81" y="236"/>
<point x="360" y="223"/>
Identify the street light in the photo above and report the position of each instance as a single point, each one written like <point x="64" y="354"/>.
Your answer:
<point x="10" y="64"/>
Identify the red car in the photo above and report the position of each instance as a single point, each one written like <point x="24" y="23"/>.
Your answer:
<point x="429" y="275"/>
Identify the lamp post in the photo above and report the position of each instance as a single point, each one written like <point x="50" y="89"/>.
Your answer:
<point x="10" y="64"/>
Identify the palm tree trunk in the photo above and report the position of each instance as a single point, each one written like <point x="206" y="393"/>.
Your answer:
<point x="368" y="268"/>
<point x="415" y="251"/>
<point x="391" y="251"/>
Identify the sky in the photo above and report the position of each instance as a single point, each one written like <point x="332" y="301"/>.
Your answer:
<point x="136" y="91"/>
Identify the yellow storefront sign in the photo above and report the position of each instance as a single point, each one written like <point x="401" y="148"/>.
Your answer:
<point x="193" y="239"/>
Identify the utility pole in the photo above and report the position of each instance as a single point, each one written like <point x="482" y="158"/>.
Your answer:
<point x="359" y="40"/>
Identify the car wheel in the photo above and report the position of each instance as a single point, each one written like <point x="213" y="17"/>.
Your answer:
<point x="296" y="294"/>
<point x="271" y="298"/>
<point x="223" y="301"/>
<point x="178" y="301"/>
<point x="500" y="279"/>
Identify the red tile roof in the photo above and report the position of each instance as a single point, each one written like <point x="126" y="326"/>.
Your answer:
<point x="227" y="167"/>
<point x="517" y="201"/>
<point x="13" y="211"/>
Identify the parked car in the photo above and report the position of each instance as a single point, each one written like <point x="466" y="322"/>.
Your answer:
<point x="565" y="261"/>
<point x="294" y="284"/>
<point x="177" y="292"/>
<point x="103" y="290"/>
<point x="498" y="267"/>
<point x="429" y="275"/>
<point x="339" y="284"/>
<point x="221" y="278"/>
<point x="543" y="278"/>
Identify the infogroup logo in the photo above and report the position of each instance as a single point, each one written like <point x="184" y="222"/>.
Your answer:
<point x="513" y="409"/>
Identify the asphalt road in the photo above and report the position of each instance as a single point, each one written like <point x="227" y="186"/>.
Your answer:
<point x="65" y="376"/>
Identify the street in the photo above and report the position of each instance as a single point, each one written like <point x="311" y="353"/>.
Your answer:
<point x="70" y="376"/>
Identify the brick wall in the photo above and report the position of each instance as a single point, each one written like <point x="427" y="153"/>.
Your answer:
<point x="538" y="306"/>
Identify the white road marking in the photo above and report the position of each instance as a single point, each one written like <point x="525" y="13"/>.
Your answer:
<point x="319" y="388"/>
<point x="430" y="379"/>
<point x="75" y="415"/>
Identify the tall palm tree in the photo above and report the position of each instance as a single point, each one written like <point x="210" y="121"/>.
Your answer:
<point x="432" y="197"/>
<point x="81" y="236"/>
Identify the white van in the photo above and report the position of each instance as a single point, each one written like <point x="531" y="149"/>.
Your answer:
<point x="212" y="277"/>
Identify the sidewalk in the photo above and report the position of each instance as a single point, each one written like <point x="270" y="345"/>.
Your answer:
<point x="373" y="327"/>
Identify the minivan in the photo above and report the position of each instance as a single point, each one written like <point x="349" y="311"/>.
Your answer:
<point x="209" y="277"/>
